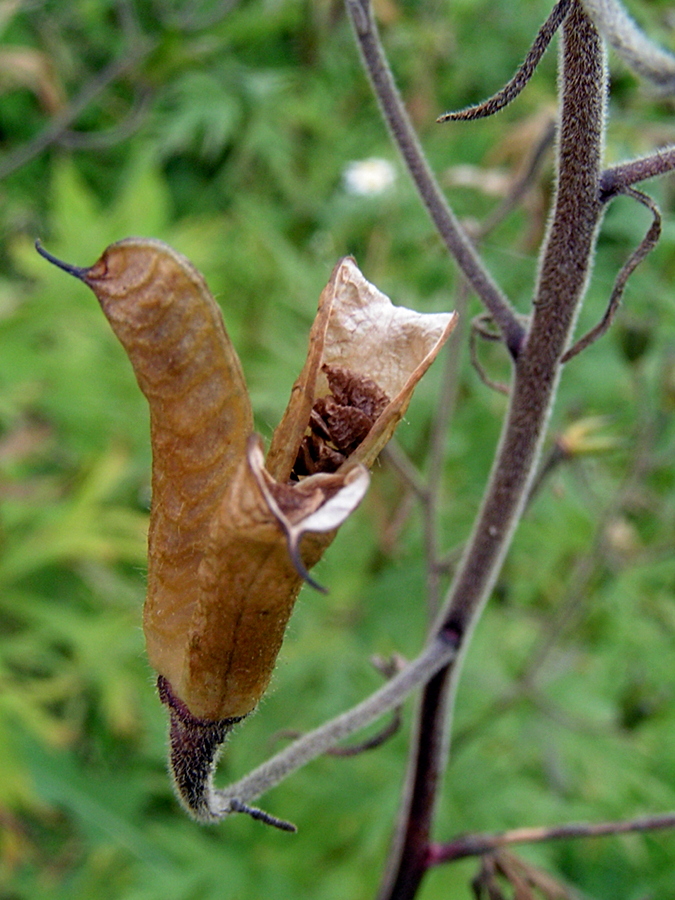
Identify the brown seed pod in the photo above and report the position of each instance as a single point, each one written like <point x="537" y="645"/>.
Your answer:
<point x="232" y="537"/>
<point x="161" y="310"/>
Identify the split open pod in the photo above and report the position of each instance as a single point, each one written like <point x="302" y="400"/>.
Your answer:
<point x="233" y="535"/>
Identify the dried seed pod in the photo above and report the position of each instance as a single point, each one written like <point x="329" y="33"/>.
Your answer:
<point x="250" y="578"/>
<point x="359" y="337"/>
<point x="231" y="538"/>
<point x="161" y="310"/>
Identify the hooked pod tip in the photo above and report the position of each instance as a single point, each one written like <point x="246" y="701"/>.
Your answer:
<point x="78" y="271"/>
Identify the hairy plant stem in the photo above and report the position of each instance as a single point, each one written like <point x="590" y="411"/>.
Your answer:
<point x="640" y="253"/>
<point x="616" y="179"/>
<point x="405" y="138"/>
<point x="563" y="275"/>
<point x="439" y="651"/>
<point x="519" y="81"/>
<point x="478" y="844"/>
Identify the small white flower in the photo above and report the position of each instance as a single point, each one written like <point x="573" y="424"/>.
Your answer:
<point x="367" y="177"/>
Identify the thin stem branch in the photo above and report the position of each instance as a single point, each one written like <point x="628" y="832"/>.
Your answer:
<point x="564" y="271"/>
<point x="437" y="654"/>
<point x="522" y="185"/>
<point x="405" y="138"/>
<point x="519" y="81"/>
<point x="388" y="668"/>
<point x="617" y="178"/>
<point x="191" y="18"/>
<point x="478" y="844"/>
<point x="478" y="331"/>
<point x="371" y="743"/>
<point x="644" y="248"/>
<point x="407" y="471"/>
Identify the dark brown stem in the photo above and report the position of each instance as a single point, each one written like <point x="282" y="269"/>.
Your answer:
<point x="511" y="90"/>
<point x="564" y="270"/>
<point x="478" y="844"/>
<point x="645" y="247"/>
<point x="371" y="743"/>
<point x="405" y="138"/>
<point x="615" y="180"/>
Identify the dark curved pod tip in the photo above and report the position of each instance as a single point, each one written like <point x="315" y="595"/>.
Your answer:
<point x="78" y="271"/>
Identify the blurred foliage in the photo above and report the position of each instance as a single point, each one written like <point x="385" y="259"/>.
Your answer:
<point x="227" y="133"/>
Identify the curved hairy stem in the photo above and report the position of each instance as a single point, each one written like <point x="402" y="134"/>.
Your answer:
<point x="563" y="275"/>
<point x="403" y="134"/>
<point x="616" y="179"/>
<point x="438" y="653"/>
<point x="513" y="87"/>
<point x="644" y="248"/>
<point x="478" y="844"/>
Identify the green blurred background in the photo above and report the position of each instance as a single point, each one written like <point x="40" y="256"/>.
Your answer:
<point x="228" y="133"/>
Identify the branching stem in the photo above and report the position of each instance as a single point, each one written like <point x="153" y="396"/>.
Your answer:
<point x="563" y="276"/>
<point x="478" y="844"/>
<point x="645" y="247"/>
<point x="616" y="179"/>
<point x="437" y="654"/>
<point x="519" y="81"/>
<point x="405" y="138"/>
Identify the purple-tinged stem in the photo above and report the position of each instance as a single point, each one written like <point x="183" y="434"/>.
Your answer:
<point x="563" y="275"/>
<point x="405" y="138"/>
<point x="478" y="844"/>
<point x="616" y="179"/>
